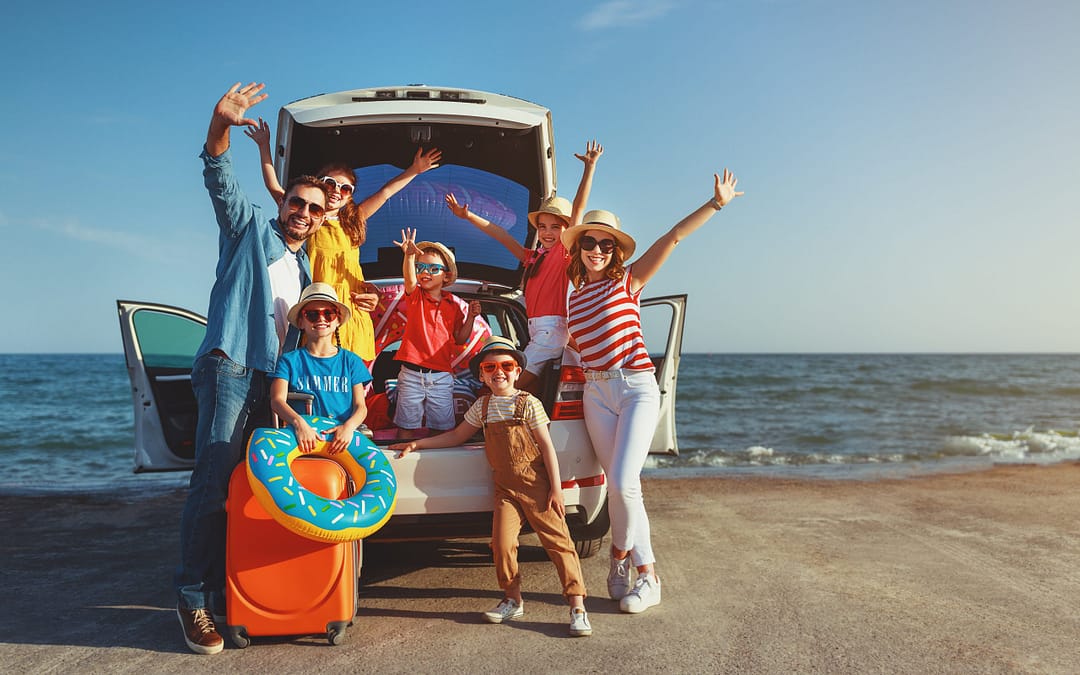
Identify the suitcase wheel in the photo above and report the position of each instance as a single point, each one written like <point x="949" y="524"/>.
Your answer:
<point x="336" y="635"/>
<point x="239" y="636"/>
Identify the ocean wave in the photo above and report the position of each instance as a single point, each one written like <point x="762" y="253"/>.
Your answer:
<point x="1028" y="445"/>
<point x="964" y="387"/>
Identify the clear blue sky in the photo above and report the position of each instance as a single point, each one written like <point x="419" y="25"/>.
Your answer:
<point x="910" y="167"/>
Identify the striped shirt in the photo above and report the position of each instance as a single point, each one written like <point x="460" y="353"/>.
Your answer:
<point x="604" y="320"/>
<point x="501" y="409"/>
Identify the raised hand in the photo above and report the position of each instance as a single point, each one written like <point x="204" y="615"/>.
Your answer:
<point x="232" y="106"/>
<point x="459" y="210"/>
<point x="425" y="161"/>
<point x="259" y="133"/>
<point x="725" y="188"/>
<point x="408" y="242"/>
<point x="593" y="150"/>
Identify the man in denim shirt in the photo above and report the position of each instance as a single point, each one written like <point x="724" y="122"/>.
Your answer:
<point x="262" y="267"/>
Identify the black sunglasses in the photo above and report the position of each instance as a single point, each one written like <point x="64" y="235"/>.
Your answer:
<point x="588" y="243"/>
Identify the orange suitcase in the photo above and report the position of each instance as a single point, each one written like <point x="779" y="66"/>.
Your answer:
<point x="277" y="582"/>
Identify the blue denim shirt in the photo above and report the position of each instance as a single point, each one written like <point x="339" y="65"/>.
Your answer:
<point x="240" y="318"/>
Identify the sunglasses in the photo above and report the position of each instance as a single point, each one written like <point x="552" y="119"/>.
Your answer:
<point x="489" y="367"/>
<point x="434" y="269"/>
<point x="328" y="314"/>
<point x="298" y="203"/>
<point x="588" y="243"/>
<point x="343" y="188"/>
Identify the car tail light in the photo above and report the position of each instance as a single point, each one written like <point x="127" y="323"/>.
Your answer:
<point x="591" y="481"/>
<point x="568" y="405"/>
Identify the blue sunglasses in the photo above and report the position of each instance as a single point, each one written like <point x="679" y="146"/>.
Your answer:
<point x="434" y="269"/>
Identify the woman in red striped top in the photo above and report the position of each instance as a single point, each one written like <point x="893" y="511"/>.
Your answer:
<point x="621" y="398"/>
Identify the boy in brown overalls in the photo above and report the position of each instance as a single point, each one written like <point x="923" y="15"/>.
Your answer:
<point x="526" y="474"/>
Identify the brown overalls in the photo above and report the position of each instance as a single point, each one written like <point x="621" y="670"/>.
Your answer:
<point x="522" y="489"/>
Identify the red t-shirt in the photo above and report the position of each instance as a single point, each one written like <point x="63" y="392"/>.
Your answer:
<point x="545" y="291"/>
<point x="429" y="330"/>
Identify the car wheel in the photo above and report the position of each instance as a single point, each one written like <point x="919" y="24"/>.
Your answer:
<point x="586" y="548"/>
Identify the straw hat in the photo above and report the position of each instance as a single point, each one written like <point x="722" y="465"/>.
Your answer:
<point x="496" y="345"/>
<point x="324" y="293"/>
<point x="556" y="206"/>
<point x="605" y="221"/>
<point x="451" y="262"/>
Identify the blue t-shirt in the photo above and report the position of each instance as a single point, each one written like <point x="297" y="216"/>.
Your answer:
<point x="329" y="379"/>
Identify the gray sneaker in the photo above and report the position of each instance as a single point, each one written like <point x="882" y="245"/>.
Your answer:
<point x="505" y="610"/>
<point x="618" y="578"/>
<point x="579" y="623"/>
<point x="645" y="594"/>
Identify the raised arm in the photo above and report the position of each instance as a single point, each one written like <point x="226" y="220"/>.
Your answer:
<point x="228" y="113"/>
<point x="422" y="161"/>
<point x="464" y="331"/>
<point x="650" y="262"/>
<point x="487" y="227"/>
<point x="593" y="150"/>
<point x="409" y="252"/>
<point x="261" y="135"/>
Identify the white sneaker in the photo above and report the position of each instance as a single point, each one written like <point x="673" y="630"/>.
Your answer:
<point x="618" y="578"/>
<point x="645" y="594"/>
<point x="505" y="610"/>
<point x="579" y="623"/>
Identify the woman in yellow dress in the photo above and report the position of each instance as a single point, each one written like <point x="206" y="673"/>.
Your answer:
<point x="334" y="249"/>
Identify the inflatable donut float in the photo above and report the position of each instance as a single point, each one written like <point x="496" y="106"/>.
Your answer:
<point x="270" y="455"/>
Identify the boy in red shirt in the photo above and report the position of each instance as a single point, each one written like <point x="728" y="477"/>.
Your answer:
<point x="434" y="324"/>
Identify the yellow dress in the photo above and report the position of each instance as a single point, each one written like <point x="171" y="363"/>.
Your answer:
<point x="335" y="261"/>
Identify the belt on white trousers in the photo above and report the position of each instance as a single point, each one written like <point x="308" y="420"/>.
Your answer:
<point x="616" y="374"/>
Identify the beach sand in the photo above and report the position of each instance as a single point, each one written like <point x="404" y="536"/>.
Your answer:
<point x="974" y="572"/>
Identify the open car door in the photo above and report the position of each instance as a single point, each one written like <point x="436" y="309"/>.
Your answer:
<point x="662" y="320"/>
<point x="159" y="348"/>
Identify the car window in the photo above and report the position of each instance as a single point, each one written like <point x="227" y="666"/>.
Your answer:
<point x="421" y="205"/>
<point x="167" y="340"/>
<point x="656" y="327"/>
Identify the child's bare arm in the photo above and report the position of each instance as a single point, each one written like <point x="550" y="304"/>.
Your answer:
<point x="306" y="437"/>
<point x="408" y="261"/>
<point x="446" y="439"/>
<point x="261" y="136"/>
<point x="422" y="161"/>
<point x="593" y="150"/>
<point x="487" y="227"/>
<point x="464" y="331"/>
<point x="551" y="463"/>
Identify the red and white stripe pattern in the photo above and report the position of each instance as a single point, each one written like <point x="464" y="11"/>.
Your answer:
<point x="604" y="319"/>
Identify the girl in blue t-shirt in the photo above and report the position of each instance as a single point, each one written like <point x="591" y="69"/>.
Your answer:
<point x="334" y="376"/>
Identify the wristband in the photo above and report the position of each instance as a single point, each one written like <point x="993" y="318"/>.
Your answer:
<point x="715" y="204"/>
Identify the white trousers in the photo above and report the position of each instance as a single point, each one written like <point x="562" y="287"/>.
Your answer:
<point x="621" y="415"/>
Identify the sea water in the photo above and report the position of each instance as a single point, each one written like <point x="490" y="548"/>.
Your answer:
<point x="67" y="423"/>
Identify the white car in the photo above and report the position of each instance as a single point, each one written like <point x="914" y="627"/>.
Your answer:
<point x="498" y="156"/>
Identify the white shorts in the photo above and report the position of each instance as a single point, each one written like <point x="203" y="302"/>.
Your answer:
<point x="547" y="340"/>
<point x="424" y="395"/>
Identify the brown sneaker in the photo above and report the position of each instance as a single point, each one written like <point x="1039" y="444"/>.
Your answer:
<point x="199" y="631"/>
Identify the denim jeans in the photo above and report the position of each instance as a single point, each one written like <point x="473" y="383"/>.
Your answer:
<point x="621" y="415"/>
<point x="231" y="400"/>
